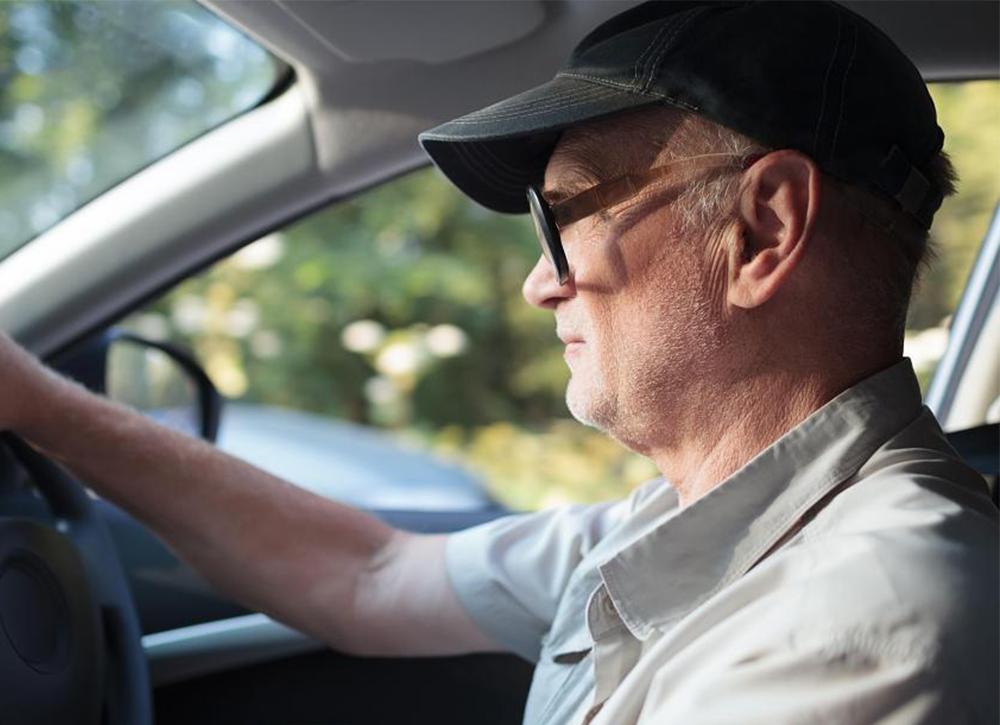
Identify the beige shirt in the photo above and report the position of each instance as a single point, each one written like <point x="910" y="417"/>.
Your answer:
<point x="847" y="574"/>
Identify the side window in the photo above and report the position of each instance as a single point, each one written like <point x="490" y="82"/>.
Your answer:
<point x="400" y="311"/>
<point x="368" y="340"/>
<point x="968" y="113"/>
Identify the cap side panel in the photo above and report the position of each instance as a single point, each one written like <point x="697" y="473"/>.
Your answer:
<point x="638" y="70"/>
<point x="826" y="88"/>
<point x="833" y="91"/>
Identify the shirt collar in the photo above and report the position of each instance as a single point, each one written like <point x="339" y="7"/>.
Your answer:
<point x="696" y="552"/>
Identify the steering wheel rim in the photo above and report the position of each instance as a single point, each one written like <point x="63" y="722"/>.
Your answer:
<point x="126" y="696"/>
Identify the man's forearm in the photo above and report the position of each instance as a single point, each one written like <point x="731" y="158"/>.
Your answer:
<point x="268" y="544"/>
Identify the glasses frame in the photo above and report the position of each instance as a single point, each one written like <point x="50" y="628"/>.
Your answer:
<point x="551" y="218"/>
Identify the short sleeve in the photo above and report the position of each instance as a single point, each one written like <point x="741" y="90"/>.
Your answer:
<point x="510" y="574"/>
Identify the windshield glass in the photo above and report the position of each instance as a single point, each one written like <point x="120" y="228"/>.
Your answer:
<point x="91" y="92"/>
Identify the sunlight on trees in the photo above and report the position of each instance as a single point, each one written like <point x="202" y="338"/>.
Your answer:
<point x="91" y="92"/>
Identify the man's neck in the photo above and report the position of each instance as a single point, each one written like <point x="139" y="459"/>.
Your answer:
<point x="720" y="438"/>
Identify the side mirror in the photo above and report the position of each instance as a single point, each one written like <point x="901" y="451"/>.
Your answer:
<point x="160" y="379"/>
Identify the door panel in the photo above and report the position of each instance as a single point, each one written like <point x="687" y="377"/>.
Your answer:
<point x="326" y="687"/>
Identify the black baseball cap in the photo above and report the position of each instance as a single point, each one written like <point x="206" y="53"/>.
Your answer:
<point x="811" y="76"/>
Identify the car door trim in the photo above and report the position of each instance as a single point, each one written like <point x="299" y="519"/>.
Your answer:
<point x="973" y="310"/>
<point x="201" y="649"/>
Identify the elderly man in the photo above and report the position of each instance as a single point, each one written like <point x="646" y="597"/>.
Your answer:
<point x="733" y="202"/>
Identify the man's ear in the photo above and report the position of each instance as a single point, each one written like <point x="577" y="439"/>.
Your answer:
<point x="776" y="214"/>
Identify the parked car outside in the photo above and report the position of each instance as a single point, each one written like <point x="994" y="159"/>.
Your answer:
<point x="347" y="462"/>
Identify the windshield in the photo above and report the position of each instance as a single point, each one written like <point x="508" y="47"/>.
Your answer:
<point x="91" y="92"/>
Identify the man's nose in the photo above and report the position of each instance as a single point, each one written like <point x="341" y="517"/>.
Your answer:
<point x="541" y="287"/>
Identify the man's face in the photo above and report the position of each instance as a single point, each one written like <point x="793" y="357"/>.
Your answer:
<point x="637" y="315"/>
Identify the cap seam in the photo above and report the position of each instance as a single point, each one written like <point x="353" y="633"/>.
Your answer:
<point x="826" y="86"/>
<point x="638" y="69"/>
<point x="668" y="43"/>
<point x="843" y="90"/>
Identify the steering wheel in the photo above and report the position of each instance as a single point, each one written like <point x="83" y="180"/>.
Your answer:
<point x="70" y="640"/>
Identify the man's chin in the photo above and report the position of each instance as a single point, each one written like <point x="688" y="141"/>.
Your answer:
<point x="586" y="407"/>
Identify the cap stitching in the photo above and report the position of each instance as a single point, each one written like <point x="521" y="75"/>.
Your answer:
<point x="826" y="84"/>
<point x="564" y="102"/>
<point x="485" y="111"/>
<point x="571" y="94"/>
<point x="514" y="109"/>
<point x="637" y="66"/>
<point x="614" y="84"/>
<point x="647" y="70"/>
<point x="640" y="62"/>
<point x="843" y="90"/>
<point x="686" y="105"/>
<point x="544" y="104"/>
<point x="668" y="43"/>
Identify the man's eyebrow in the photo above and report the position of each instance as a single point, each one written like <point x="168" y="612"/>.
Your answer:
<point x="554" y="196"/>
<point x="567" y="189"/>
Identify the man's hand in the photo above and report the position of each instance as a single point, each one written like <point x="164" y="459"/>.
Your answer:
<point x="327" y="569"/>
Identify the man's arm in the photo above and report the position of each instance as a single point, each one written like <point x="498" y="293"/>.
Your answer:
<point x="327" y="569"/>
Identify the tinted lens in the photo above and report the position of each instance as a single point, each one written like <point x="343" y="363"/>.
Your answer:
<point x="548" y="233"/>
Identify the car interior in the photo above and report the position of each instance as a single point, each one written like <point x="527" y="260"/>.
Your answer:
<point x="358" y="82"/>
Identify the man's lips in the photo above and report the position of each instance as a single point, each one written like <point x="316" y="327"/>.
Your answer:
<point x="572" y="343"/>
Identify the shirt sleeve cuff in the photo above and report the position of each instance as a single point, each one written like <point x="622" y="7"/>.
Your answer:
<point x="482" y="598"/>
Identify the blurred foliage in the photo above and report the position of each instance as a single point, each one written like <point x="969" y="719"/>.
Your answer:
<point x="400" y="308"/>
<point x="393" y="310"/>
<point x="90" y="92"/>
<point x="969" y="113"/>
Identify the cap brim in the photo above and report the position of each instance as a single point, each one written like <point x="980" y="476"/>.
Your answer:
<point x="493" y="154"/>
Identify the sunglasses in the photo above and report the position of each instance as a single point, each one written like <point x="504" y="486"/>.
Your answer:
<point x="550" y="218"/>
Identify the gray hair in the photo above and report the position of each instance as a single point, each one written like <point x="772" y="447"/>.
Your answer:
<point x="881" y="242"/>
